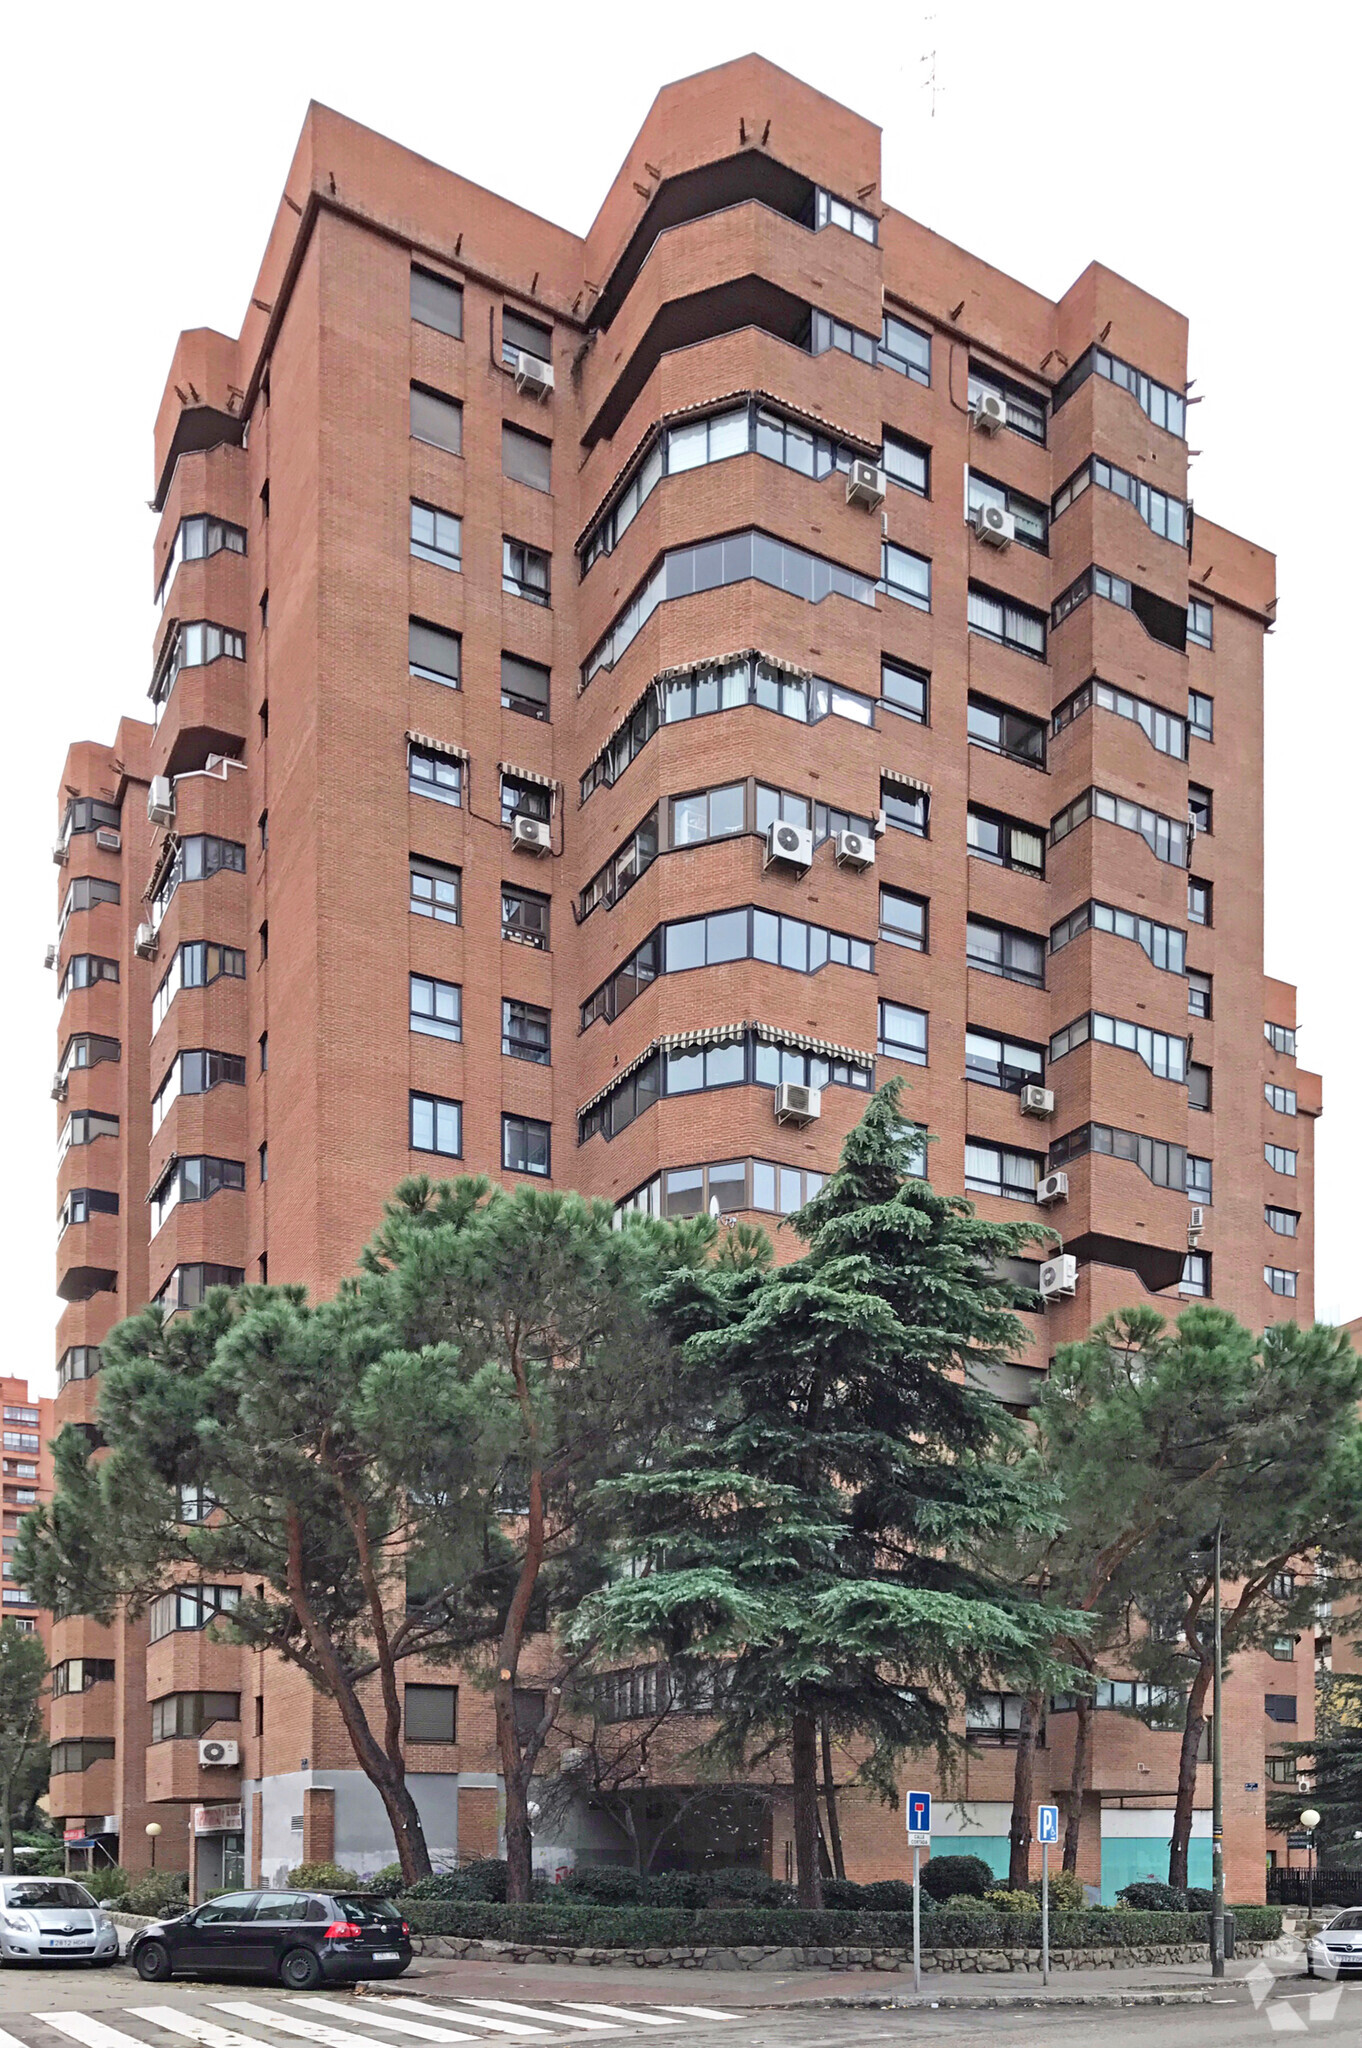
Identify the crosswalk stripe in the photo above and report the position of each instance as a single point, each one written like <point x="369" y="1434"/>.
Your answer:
<point x="530" y="2012"/>
<point x="92" y="2033"/>
<point x="613" y="2012"/>
<point x="306" y="2030"/>
<point x="9" y="2040"/>
<point x="448" y="2012"/>
<point x="368" y="2016"/>
<point x="203" y="2031"/>
<point x="699" y="2012"/>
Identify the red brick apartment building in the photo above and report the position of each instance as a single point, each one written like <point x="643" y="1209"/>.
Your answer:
<point x="615" y="700"/>
<point x="26" y="1479"/>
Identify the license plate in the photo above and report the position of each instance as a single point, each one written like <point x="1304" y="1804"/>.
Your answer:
<point x="67" y="1940"/>
<point x="385" y="1955"/>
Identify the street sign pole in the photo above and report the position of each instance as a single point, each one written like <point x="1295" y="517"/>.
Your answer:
<point x="917" y="1924"/>
<point x="918" y="1811"/>
<point x="1045" y="1912"/>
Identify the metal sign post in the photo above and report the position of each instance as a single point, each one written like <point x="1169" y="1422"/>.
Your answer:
<point x="919" y="1816"/>
<point x="1047" y="1831"/>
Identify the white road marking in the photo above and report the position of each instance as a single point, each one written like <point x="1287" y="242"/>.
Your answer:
<point x="9" y="2040"/>
<point x="306" y="2030"/>
<point x="700" y="2012"/>
<point x="449" y="2012"/>
<point x="202" y="2031"/>
<point x="530" y="2012"/>
<point x="91" y="2032"/>
<point x="371" y="2016"/>
<point x="613" y="2012"/>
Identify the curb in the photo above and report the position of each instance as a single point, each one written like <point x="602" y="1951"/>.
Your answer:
<point x="978" y="2001"/>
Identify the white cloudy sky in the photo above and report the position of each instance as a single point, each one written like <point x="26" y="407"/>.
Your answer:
<point x="1208" y="151"/>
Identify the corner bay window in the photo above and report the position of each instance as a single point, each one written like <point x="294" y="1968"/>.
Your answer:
<point x="187" y="1286"/>
<point x="197" y="964"/>
<point x="196" y="538"/>
<point x="1280" y="1280"/>
<point x="1164" y="944"/>
<point x="79" y="1754"/>
<point x="193" y="1179"/>
<point x="742" y="1059"/>
<point x="78" y="1674"/>
<point x="747" y="933"/>
<point x="1164" y="1055"/>
<point x="195" y="1073"/>
<point x="189" y="1607"/>
<point x="1166" y="838"/>
<point x="193" y="646"/>
<point x="1167" y="1166"/>
<point x="1285" y="1222"/>
<point x="1280" y="1158"/>
<point x="727" y="1188"/>
<point x="182" y="1714"/>
<point x="83" y="970"/>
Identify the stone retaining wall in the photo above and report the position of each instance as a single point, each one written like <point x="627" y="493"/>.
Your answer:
<point x="959" y="1960"/>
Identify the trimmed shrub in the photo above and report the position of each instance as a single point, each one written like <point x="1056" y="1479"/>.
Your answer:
<point x="322" y="1877"/>
<point x="1066" y="1891"/>
<point x="109" y="1883"/>
<point x="1146" y="1895"/>
<point x="160" y="1891"/>
<point x="1199" y="1899"/>
<point x="686" y="1889"/>
<point x="888" y="1895"/>
<point x="945" y="1877"/>
<point x="385" y="1883"/>
<point x="748" y="1888"/>
<point x="1004" y="1901"/>
<point x="966" y="1902"/>
<point x="601" y="1884"/>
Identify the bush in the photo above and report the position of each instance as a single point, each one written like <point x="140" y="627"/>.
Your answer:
<point x="601" y="1884"/>
<point x="1066" y="1891"/>
<point x="322" y="1877"/>
<point x="1004" y="1901"/>
<point x="159" y="1892"/>
<point x="1199" y="1899"/>
<point x="1146" y="1895"/>
<point x="945" y="1877"/>
<point x="966" y="1902"/>
<point x="385" y="1883"/>
<point x="748" y="1888"/>
<point x="482" y="1882"/>
<point x="888" y="1895"/>
<point x="109" y="1883"/>
<point x="687" y="1889"/>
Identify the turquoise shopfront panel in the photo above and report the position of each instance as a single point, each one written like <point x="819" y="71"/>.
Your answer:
<point x="1128" y="1858"/>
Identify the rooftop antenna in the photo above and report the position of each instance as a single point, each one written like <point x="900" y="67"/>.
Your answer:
<point x="929" y="84"/>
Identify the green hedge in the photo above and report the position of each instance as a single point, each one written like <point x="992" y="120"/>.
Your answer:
<point x="660" y="1927"/>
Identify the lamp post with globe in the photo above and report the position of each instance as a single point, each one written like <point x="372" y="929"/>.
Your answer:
<point x="153" y="1829"/>
<point x="1310" y="1821"/>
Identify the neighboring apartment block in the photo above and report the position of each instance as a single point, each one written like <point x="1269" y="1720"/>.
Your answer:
<point x="614" y="701"/>
<point x="25" y="1481"/>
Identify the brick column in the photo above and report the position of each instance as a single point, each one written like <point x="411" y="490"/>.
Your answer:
<point x="319" y="1824"/>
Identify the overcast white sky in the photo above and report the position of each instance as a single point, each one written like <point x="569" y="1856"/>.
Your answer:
<point x="1209" y="152"/>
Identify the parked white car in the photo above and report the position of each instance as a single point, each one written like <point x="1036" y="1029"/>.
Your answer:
<point x="1337" y="1946"/>
<point x="53" y="1919"/>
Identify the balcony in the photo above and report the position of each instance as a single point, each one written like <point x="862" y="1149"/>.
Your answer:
<point x="175" y="1773"/>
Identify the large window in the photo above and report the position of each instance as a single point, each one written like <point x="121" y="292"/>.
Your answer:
<point x="78" y="1674"/>
<point x="437" y="302"/>
<point x="436" y="420"/>
<point x="998" y="949"/>
<point x="435" y="774"/>
<point x="78" y="1362"/>
<point x="436" y="1007"/>
<point x="194" y="645"/>
<point x="195" y="859"/>
<point x="746" y="933"/>
<point x="903" y="1033"/>
<point x="1280" y="1158"/>
<point x="434" y="652"/>
<point x="524" y="686"/>
<point x="83" y="1127"/>
<point x="525" y="571"/>
<point x="1165" y="407"/>
<point x="903" y="919"/>
<point x="634" y="858"/>
<point x="182" y="1714"/>
<point x="83" y="970"/>
<point x="79" y="1753"/>
<point x="1164" y="1055"/>
<point x="525" y="1145"/>
<point x="1002" y="1062"/>
<point x="1001" y="1170"/>
<point x="1162" y="514"/>
<point x="195" y="539"/>
<point x="524" y="1031"/>
<point x="1002" y="619"/>
<point x="760" y="1058"/>
<point x="1166" y="838"/>
<point x="711" y="814"/>
<point x="83" y="893"/>
<point x="907" y="806"/>
<point x="1164" y="730"/>
<point x="431" y="1713"/>
<point x="904" y="349"/>
<point x="1280" y="1280"/>
<point x="724" y="1189"/>
<point x="189" y="1607"/>
<point x="193" y="1178"/>
<point x="905" y="690"/>
<point x="436" y="536"/>
<point x="1025" y="409"/>
<point x="1004" y="842"/>
<point x="1165" y="945"/>
<point x="1166" y="1165"/>
<point x="197" y="964"/>
<point x="1030" y="520"/>
<point x="526" y="458"/>
<point x="436" y="1125"/>
<point x="905" y="575"/>
<point x="195" y="1073"/>
<point x="88" y="814"/>
<point x="435" y="890"/>
<point x="1004" y="731"/>
<point x="524" y="917"/>
<point x="83" y="1203"/>
<point x="188" y="1286"/>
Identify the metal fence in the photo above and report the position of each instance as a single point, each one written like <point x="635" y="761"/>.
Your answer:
<point x="1330" y="1887"/>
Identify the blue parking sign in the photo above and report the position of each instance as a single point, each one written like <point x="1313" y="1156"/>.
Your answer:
<point x="1047" y="1828"/>
<point x="919" y="1814"/>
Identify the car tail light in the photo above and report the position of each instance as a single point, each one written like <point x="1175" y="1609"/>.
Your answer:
<point x="405" y="1928"/>
<point x="343" y="1930"/>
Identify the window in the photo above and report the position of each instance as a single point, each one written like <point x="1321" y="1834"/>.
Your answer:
<point x="197" y="964"/>
<point x="196" y="1178"/>
<point x="1198" y="1179"/>
<point x="713" y="565"/>
<point x="1200" y="713"/>
<point x="78" y="1362"/>
<point x="436" y="1008"/>
<point x="744" y="1059"/>
<point x="1285" y="1222"/>
<point x="189" y="1607"/>
<point x="1198" y="901"/>
<point x="88" y="814"/>
<point x="437" y="302"/>
<point x="83" y="970"/>
<point x="1282" y="1039"/>
<point x="1196" y="1274"/>
<point x="524" y="686"/>
<point x="826" y="333"/>
<point x="187" y="1286"/>
<point x="79" y="1754"/>
<point x="624" y="867"/>
<point x="1025" y="409"/>
<point x="998" y="949"/>
<point x="1162" y="514"/>
<point x="436" y="536"/>
<point x="1280" y="1706"/>
<point x="903" y="919"/>
<point x="1166" y="408"/>
<point x="1165" y="1057"/>
<point x="906" y="807"/>
<point x="525" y="1145"/>
<point x="264" y="1052"/>
<point x="78" y="1674"/>
<point x="1092" y="583"/>
<point x="1164" y="944"/>
<point x="1198" y="1086"/>
<point x="195" y="1073"/>
<point x="196" y="1504"/>
<point x="1006" y="732"/>
<point x="830" y="823"/>
<point x="1001" y="1170"/>
<point x="1282" y="1770"/>
<point x="1280" y="1158"/>
<point x="904" y="690"/>
<point x="1283" y="1100"/>
<point x="193" y="646"/>
<point x="906" y="350"/>
<point x="1004" y="842"/>
<point x="196" y="859"/>
<point x="182" y="1714"/>
<point x="906" y="575"/>
<point x="83" y="1127"/>
<point x="1199" y="807"/>
<point x="526" y="459"/>
<point x="838" y="213"/>
<point x="436" y="420"/>
<point x="524" y="916"/>
<point x="1164" y="730"/>
<point x="725" y="1189"/>
<point x="525" y="1032"/>
<point x="906" y="463"/>
<point x="1200" y="628"/>
<point x="436" y="1125"/>
<point x="434" y="774"/>
<point x="1166" y="838"/>
<point x="1001" y="1062"/>
<point x="1031" y="521"/>
<point x="903" y="1034"/>
<point x="195" y="539"/>
<point x="434" y="653"/>
<point x="84" y="893"/>
<point x="519" y="332"/>
<point x="715" y="814"/>
<point x="1198" y="994"/>
<point x="435" y="890"/>
<point x="86" y="1049"/>
<point x="1165" y="1165"/>
<point x="1010" y="624"/>
<point x="431" y="1713"/>
<point x="1280" y="1280"/>
<point x="525" y="571"/>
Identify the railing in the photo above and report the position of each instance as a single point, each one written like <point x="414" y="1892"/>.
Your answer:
<point x="1298" y="1888"/>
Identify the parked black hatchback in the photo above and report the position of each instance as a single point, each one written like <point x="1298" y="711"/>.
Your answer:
<point x="301" y="1938"/>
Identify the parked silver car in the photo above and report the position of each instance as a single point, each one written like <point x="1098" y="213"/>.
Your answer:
<point x="1337" y="1946"/>
<point x="50" y="1919"/>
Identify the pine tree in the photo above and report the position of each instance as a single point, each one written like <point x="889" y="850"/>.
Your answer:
<point x="826" y="1538"/>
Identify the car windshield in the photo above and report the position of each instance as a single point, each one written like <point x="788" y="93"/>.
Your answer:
<point x="54" y="1891"/>
<point x="1350" y="1922"/>
<point x="365" y="1912"/>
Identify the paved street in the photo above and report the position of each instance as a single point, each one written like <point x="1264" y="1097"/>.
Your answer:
<point x="41" y="2008"/>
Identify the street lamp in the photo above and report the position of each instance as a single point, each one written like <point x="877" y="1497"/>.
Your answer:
<point x="153" y="1829"/>
<point x="1310" y="1821"/>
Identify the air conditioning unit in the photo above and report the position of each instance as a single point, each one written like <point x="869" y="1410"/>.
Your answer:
<point x="50" y="957"/>
<point x="59" y="1087"/>
<point x="61" y="853"/>
<point x="994" y="527"/>
<point x="217" y="1756"/>
<point x="1053" y="1188"/>
<point x="854" y="850"/>
<point x="1059" y="1276"/>
<point x="107" y="840"/>
<point x="161" y="801"/>
<point x="145" y="944"/>
<point x="865" y="486"/>
<point x="1196" y="1223"/>
<point x="990" y="411"/>
<point x="1037" y="1101"/>
<point x="790" y="843"/>
<point x="531" y="835"/>
<point x="796" y="1104"/>
<point x="532" y="374"/>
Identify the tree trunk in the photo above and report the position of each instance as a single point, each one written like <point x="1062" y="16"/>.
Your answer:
<point x="839" y="1868"/>
<point x="1182" y="1810"/>
<point x="808" y="1837"/>
<point x="1023" y="1781"/>
<point x="1073" y="1820"/>
<point x="6" y="1830"/>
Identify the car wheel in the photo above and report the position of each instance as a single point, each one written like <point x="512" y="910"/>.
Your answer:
<point x="300" y="1970"/>
<point x="153" y="1962"/>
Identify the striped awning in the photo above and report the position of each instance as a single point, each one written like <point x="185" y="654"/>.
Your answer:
<point x="699" y="668"/>
<point x="169" y="848"/>
<point x="798" y="1041"/>
<point x="528" y="775"/>
<point x="902" y="781"/>
<point x="434" y="746"/>
<point x="724" y="1034"/>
